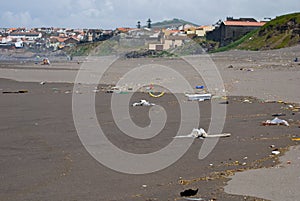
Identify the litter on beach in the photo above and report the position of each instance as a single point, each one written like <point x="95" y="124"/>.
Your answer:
<point x="201" y="133"/>
<point x="160" y="94"/>
<point x="278" y="114"/>
<point x="46" y="61"/>
<point x="194" y="199"/>
<point x="142" y="103"/>
<point x="275" y="121"/>
<point x="198" y="97"/>
<point x="275" y="152"/>
<point x="15" y="92"/>
<point x="188" y="193"/>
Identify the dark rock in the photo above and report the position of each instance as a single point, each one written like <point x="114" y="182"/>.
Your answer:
<point x="188" y="193"/>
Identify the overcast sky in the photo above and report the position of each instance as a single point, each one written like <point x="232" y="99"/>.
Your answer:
<point x="109" y="14"/>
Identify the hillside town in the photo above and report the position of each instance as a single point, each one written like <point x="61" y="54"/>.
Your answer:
<point x="153" y="38"/>
<point x="49" y="38"/>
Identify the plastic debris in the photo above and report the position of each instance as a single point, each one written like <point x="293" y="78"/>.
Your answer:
<point x="15" y="92"/>
<point x="122" y="92"/>
<point x="272" y="146"/>
<point x="275" y="152"/>
<point x="275" y="121"/>
<point x="199" y="87"/>
<point x="278" y="114"/>
<point x="201" y="133"/>
<point x="188" y="193"/>
<point x="296" y="139"/>
<point x="113" y="90"/>
<point x="42" y="83"/>
<point x="156" y="95"/>
<point x="247" y="101"/>
<point x="198" y="97"/>
<point x="46" y="61"/>
<point x="142" y="103"/>
<point x="194" y="199"/>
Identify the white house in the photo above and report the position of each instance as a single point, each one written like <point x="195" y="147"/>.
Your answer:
<point x="19" y="44"/>
<point x="201" y="31"/>
<point x="173" y="41"/>
<point x="26" y="35"/>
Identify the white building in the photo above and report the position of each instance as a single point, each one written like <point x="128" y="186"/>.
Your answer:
<point x="25" y="35"/>
<point x="19" y="44"/>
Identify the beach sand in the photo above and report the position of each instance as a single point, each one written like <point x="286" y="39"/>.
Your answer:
<point x="42" y="157"/>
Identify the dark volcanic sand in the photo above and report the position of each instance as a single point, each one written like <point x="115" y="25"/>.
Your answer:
<point x="42" y="157"/>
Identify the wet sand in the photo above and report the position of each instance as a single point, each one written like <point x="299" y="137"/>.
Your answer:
<point x="277" y="183"/>
<point x="42" y="157"/>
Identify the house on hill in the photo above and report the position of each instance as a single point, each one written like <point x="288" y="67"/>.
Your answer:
<point x="233" y="29"/>
<point x="71" y="41"/>
<point x="174" y="41"/>
<point x="202" y="30"/>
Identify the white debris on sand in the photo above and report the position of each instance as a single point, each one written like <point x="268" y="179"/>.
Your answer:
<point x="142" y="103"/>
<point x="276" y="121"/>
<point x="201" y="133"/>
<point x="198" y="97"/>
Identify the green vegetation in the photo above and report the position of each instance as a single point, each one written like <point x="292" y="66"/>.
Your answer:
<point x="279" y="33"/>
<point x="163" y="54"/>
<point x="235" y="44"/>
<point x="102" y="48"/>
<point x="149" y="53"/>
<point x="283" y="31"/>
<point x="83" y="49"/>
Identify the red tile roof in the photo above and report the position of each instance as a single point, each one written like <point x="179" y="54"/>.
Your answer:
<point x="244" y="23"/>
<point x="59" y="39"/>
<point x="124" y="29"/>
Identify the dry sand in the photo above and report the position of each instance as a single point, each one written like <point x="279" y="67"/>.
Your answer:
<point x="42" y="157"/>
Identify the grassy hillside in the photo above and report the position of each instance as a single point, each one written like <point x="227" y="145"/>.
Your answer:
<point x="283" y="31"/>
<point x="102" y="48"/>
<point x="171" y="23"/>
<point x="83" y="49"/>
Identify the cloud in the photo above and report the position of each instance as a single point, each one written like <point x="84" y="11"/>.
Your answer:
<point x="22" y="19"/>
<point x="116" y="13"/>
